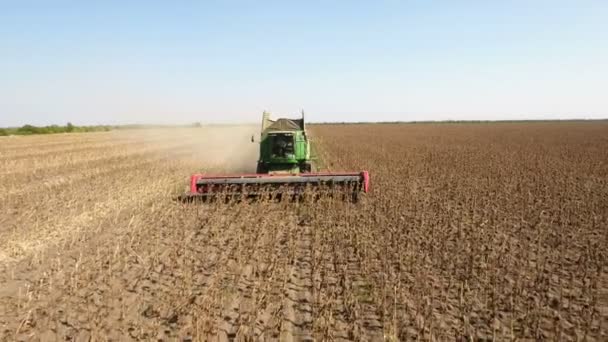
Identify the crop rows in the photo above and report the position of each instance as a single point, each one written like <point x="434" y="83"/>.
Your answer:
<point x="469" y="231"/>
<point x="480" y="231"/>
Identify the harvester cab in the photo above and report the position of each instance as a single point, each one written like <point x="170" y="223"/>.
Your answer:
<point x="284" y="146"/>
<point x="284" y="169"/>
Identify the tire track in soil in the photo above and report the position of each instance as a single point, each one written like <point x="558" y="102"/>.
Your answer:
<point x="252" y="296"/>
<point x="344" y="309"/>
<point x="603" y="303"/>
<point x="235" y="280"/>
<point x="264" y="288"/>
<point x="297" y="304"/>
<point x="200" y="273"/>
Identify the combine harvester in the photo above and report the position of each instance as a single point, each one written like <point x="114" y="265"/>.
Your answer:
<point x="284" y="170"/>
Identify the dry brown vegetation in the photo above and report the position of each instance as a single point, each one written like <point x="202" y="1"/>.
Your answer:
<point x="495" y="231"/>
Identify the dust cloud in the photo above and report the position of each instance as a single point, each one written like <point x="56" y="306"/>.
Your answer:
<point x="226" y="149"/>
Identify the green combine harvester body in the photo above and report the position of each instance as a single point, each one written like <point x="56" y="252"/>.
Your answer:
<point x="284" y="146"/>
<point x="284" y="170"/>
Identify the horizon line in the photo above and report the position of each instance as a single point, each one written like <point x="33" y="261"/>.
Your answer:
<point x="198" y="123"/>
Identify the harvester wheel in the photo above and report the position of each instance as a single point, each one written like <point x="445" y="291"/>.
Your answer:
<point x="305" y="167"/>
<point x="261" y="168"/>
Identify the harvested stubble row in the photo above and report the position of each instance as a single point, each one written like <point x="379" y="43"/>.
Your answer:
<point x="494" y="230"/>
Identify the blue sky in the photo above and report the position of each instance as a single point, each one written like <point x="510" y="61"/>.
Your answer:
<point x="110" y="62"/>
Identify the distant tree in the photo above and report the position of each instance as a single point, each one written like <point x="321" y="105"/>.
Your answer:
<point x="55" y="129"/>
<point x="197" y="124"/>
<point x="3" y="132"/>
<point x="28" y="129"/>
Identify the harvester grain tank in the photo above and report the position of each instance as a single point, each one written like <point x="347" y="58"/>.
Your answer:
<point x="284" y="168"/>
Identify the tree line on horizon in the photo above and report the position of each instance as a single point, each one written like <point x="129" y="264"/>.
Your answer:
<point x="70" y="128"/>
<point x="52" y="129"/>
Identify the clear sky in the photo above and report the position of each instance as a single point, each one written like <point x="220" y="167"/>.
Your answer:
<point x="110" y="62"/>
